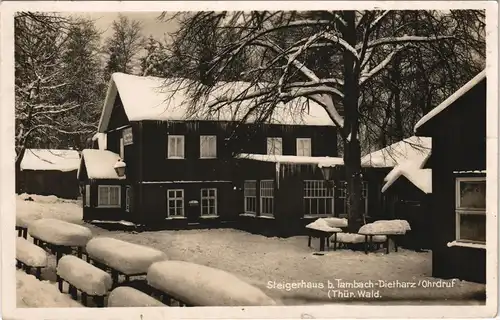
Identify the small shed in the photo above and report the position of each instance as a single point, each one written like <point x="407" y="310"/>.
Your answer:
<point x="104" y="194"/>
<point x="49" y="172"/>
<point x="407" y="190"/>
<point x="458" y="162"/>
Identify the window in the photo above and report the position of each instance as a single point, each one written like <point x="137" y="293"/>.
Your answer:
<point x="471" y="209"/>
<point x="318" y="199"/>
<point x="175" y="203"/>
<point x="87" y="195"/>
<point x="267" y="197"/>
<point x="209" y="202"/>
<point x="304" y="147"/>
<point x="274" y="146"/>
<point x="122" y="149"/>
<point x="128" y="192"/>
<point x="109" y="197"/>
<point x="250" y="195"/>
<point x="208" y="147"/>
<point x="344" y="197"/>
<point x="176" y="147"/>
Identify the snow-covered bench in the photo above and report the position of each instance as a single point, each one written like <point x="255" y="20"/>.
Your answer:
<point x="346" y="239"/>
<point x="59" y="236"/>
<point x="22" y="221"/>
<point x="81" y="275"/>
<point x="121" y="257"/>
<point x="30" y="256"/>
<point x="324" y="228"/>
<point x="198" y="285"/>
<point x="131" y="297"/>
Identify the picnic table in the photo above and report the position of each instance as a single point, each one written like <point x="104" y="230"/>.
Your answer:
<point x="59" y="237"/>
<point x="323" y="236"/>
<point x="122" y="257"/>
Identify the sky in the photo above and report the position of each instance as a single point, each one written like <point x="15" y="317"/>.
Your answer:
<point x="150" y="24"/>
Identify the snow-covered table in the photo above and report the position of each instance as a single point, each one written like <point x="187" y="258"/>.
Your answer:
<point x="324" y="228"/>
<point x="391" y="229"/>
<point x="121" y="257"/>
<point x="59" y="237"/>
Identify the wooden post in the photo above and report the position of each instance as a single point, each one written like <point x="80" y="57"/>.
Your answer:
<point x="60" y="283"/>
<point x="395" y="238"/>
<point x="73" y="291"/>
<point x="25" y="233"/>
<point x="322" y="241"/>
<point x="99" y="301"/>
<point x="366" y="244"/>
<point x="79" y="252"/>
<point x="38" y="273"/>
<point x="114" y="276"/>
<point x="84" y="298"/>
<point x="309" y="242"/>
<point x="387" y="245"/>
<point x="19" y="232"/>
<point x="335" y="241"/>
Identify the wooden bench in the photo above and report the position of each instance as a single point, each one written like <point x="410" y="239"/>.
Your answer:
<point x="345" y="239"/>
<point x="29" y="256"/>
<point x="122" y="258"/>
<point x="88" y="279"/>
<point x="124" y="296"/>
<point x="22" y="232"/>
<point x="59" y="237"/>
<point x="323" y="236"/>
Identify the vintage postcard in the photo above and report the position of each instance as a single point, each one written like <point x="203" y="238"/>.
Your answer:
<point x="249" y="159"/>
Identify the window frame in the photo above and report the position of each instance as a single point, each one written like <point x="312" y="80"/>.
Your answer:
<point x="262" y="196"/>
<point x="248" y="199"/>
<point x="214" y="137"/>
<point x="169" y="150"/>
<point x="87" y="195"/>
<point x="298" y="141"/>
<point x="461" y="211"/>
<point x="208" y="198"/>
<point x="175" y="198"/>
<point x="272" y="140"/>
<point x="109" y="187"/>
<point x="329" y="196"/>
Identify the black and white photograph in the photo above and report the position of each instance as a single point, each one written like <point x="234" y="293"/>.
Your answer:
<point x="323" y="156"/>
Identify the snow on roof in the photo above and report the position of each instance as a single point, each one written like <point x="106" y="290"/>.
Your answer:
<point x="451" y="99"/>
<point x="320" y="161"/>
<point x="50" y="159"/>
<point x="101" y="139"/>
<point x="398" y="152"/>
<point x="100" y="164"/>
<point x="152" y="98"/>
<point x="412" y="170"/>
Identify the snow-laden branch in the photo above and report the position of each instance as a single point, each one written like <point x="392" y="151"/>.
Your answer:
<point x="364" y="77"/>
<point x="56" y="111"/>
<point x="405" y="39"/>
<point x="336" y="39"/>
<point x="377" y="20"/>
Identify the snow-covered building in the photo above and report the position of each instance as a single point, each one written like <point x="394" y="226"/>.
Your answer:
<point x="458" y="200"/>
<point x="49" y="172"/>
<point x="180" y="162"/>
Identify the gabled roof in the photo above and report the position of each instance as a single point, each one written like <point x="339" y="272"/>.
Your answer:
<point x="50" y="159"/>
<point x="398" y="152"/>
<point x="152" y="98"/>
<point x="99" y="164"/>
<point x="412" y="169"/>
<point x="451" y="99"/>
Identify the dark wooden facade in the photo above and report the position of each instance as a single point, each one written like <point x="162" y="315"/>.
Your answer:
<point x="458" y="144"/>
<point x="63" y="184"/>
<point x="150" y="173"/>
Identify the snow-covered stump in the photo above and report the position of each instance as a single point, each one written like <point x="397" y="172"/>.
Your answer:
<point x="122" y="258"/>
<point x="131" y="297"/>
<point x="80" y="275"/>
<point x="198" y="285"/>
<point x="29" y="256"/>
<point x="59" y="237"/>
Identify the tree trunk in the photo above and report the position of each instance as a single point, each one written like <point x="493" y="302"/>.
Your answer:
<point x="352" y="148"/>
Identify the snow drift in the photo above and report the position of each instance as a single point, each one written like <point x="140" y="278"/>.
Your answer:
<point x="84" y="276"/>
<point x="130" y="297"/>
<point x="128" y="258"/>
<point x="33" y="293"/>
<point x="60" y="232"/>
<point x="30" y="254"/>
<point x="200" y="285"/>
<point x="395" y="227"/>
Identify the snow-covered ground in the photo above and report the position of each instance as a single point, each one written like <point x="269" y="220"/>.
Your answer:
<point x="273" y="264"/>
